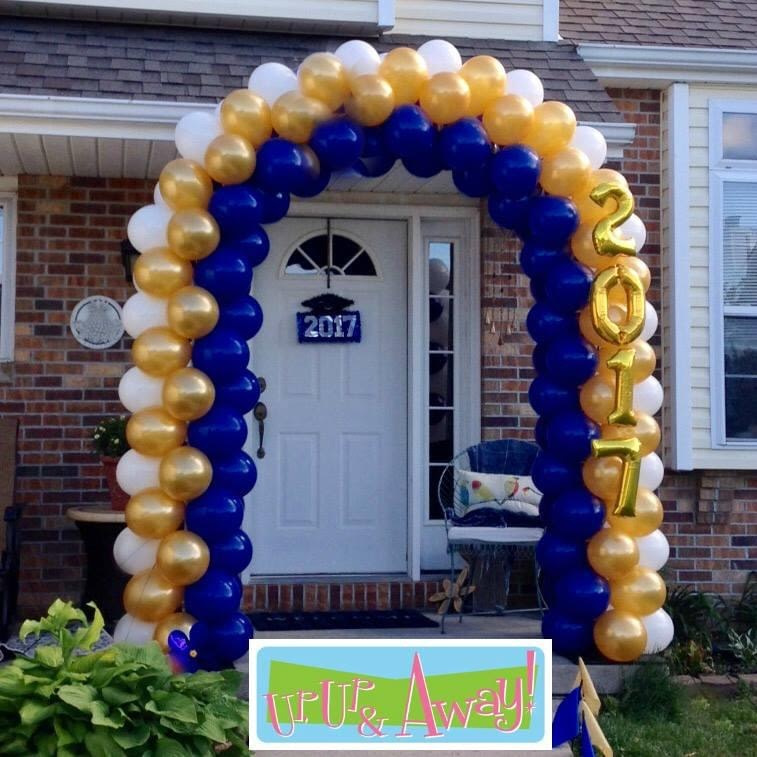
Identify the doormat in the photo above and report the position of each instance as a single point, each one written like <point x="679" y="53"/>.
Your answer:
<point x="314" y="621"/>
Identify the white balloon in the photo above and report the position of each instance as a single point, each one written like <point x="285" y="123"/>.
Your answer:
<point x="526" y="84"/>
<point x="647" y="396"/>
<point x="135" y="472"/>
<point x="141" y="312"/>
<point x="592" y="142"/>
<point x="272" y="80"/>
<point x="134" y="553"/>
<point x="438" y="275"/>
<point x="358" y="57"/>
<point x="147" y="227"/>
<point x="652" y="471"/>
<point x="138" y="390"/>
<point x="635" y="229"/>
<point x="133" y="630"/>
<point x="157" y="197"/>
<point x="651" y="322"/>
<point x="440" y="56"/>
<point x="195" y="132"/>
<point x="654" y="550"/>
<point x="660" y="631"/>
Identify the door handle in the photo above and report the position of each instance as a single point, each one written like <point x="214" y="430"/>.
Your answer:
<point x="260" y="412"/>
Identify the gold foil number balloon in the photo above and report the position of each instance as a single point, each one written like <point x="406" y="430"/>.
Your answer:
<point x="647" y="517"/>
<point x="646" y="430"/>
<point x="160" y="273"/>
<point x="606" y="241"/>
<point x="154" y="432"/>
<point x="152" y="514"/>
<point x="192" y="312"/>
<point x="185" y="473"/>
<point x="149" y="596"/>
<point x="184" y="184"/>
<point x="183" y="558"/>
<point x="620" y="636"/>
<point x="188" y="394"/>
<point x="628" y="450"/>
<point x="158" y="351"/>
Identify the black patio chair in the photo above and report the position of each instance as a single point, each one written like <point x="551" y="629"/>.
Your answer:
<point x="10" y="531"/>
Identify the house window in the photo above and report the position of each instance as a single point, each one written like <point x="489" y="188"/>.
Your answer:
<point x="334" y="254"/>
<point x="733" y="268"/>
<point x="441" y="365"/>
<point x="7" y="275"/>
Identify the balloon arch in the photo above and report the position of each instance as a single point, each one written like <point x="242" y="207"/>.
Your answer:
<point x="542" y="175"/>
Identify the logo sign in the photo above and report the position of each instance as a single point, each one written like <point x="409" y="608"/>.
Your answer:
<point x="423" y="694"/>
<point x="328" y="327"/>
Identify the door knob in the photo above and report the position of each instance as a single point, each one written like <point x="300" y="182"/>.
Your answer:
<point x="260" y="413"/>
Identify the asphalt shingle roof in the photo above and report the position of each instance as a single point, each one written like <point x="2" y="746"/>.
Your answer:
<point x="122" y="61"/>
<point x="683" y="23"/>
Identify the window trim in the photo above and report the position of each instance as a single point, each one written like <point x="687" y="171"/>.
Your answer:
<point x="8" y="200"/>
<point x="720" y="171"/>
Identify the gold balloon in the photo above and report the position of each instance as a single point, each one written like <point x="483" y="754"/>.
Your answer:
<point x="185" y="473"/>
<point x="644" y="361"/>
<point x="636" y="264"/>
<point x="248" y="115"/>
<point x="406" y="72"/>
<point x="158" y="351"/>
<point x="160" y="273"/>
<point x="322" y="76"/>
<point x="188" y="394"/>
<point x="183" y="558"/>
<point x="176" y="621"/>
<point x="230" y="159"/>
<point x="646" y="519"/>
<point x="193" y="234"/>
<point x="616" y="313"/>
<point x="294" y="116"/>
<point x="153" y="515"/>
<point x="601" y="476"/>
<point x="445" y="97"/>
<point x="184" y="184"/>
<point x="646" y="430"/>
<point x="150" y="597"/>
<point x="640" y="591"/>
<point x="597" y="399"/>
<point x="605" y="176"/>
<point x="564" y="172"/>
<point x="554" y="124"/>
<point x="154" y="432"/>
<point x="372" y="100"/>
<point x="508" y="119"/>
<point x="612" y="553"/>
<point x="486" y="79"/>
<point x="192" y="312"/>
<point x="620" y="636"/>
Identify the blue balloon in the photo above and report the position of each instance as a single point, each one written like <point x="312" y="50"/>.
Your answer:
<point x="232" y="554"/>
<point x="570" y="434"/>
<point x="515" y="172"/>
<point x="568" y="285"/>
<point x="540" y="433"/>
<point x="547" y="397"/>
<point x="244" y="316"/>
<point x="237" y="209"/>
<point x="545" y="507"/>
<point x="408" y="132"/>
<point x="226" y="274"/>
<point x="551" y="475"/>
<point x="230" y="637"/>
<point x="221" y="354"/>
<point x="571" y="361"/>
<point x="254" y="246"/>
<point x="582" y="594"/>
<point x="338" y="143"/>
<point x="215" y="514"/>
<point x="435" y="308"/>
<point x="473" y="181"/>
<point x="235" y="473"/>
<point x="537" y="261"/>
<point x="509" y="214"/>
<point x="552" y="220"/>
<point x="576" y="515"/>
<point x="241" y="392"/>
<point x="375" y="159"/>
<point x="283" y="166"/>
<point x="570" y="637"/>
<point x="275" y="206"/>
<point x="313" y="187"/>
<point x="538" y="289"/>
<point x="465" y="145"/>
<point x="545" y="324"/>
<point x="539" y="357"/>
<point x="558" y="555"/>
<point x="214" y="598"/>
<point x="424" y="165"/>
<point x="220" y="432"/>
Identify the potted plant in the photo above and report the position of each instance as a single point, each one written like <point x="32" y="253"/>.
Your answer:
<point x="109" y="439"/>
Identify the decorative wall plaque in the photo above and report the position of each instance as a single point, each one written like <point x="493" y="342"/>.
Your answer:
<point x="328" y="321"/>
<point x="96" y="322"/>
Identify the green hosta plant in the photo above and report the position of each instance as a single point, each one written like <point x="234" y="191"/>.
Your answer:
<point x="122" y="700"/>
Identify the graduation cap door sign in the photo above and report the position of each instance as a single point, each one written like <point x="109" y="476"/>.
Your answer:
<point x="328" y="320"/>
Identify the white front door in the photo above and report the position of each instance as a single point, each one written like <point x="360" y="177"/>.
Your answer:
<point x="331" y="495"/>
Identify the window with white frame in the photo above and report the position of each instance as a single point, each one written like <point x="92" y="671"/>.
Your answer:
<point x="7" y="275"/>
<point x="733" y="272"/>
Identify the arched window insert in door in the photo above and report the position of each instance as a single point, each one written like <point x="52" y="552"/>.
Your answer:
<point x="330" y="254"/>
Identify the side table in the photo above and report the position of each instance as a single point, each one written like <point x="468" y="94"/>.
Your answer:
<point x="104" y="584"/>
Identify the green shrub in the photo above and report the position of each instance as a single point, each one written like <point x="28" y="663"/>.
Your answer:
<point x="122" y="700"/>
<point x="109" y="437"/>
<point x="650" y="694"/>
